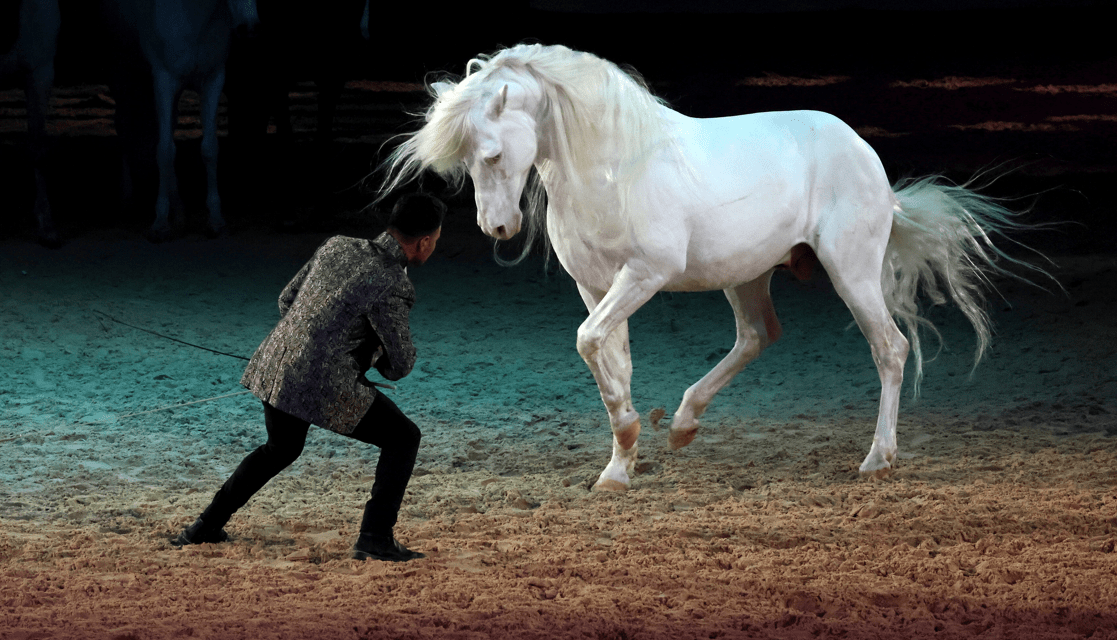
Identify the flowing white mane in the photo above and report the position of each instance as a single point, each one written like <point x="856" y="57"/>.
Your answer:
<point x="599" y="122"/>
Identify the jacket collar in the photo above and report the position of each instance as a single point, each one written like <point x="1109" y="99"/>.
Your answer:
<point x="391" y="246"/>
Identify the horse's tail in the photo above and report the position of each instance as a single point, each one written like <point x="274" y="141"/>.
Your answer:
<point x="940" y="244"/>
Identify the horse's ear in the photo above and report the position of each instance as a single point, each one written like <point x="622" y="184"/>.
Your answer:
<point x="496" y="105"/>
<point x="441" y="87"/>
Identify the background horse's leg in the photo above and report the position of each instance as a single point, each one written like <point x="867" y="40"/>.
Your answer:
<point x="757" y="327"/>
<point x="32" y="55"/>
<point x="167" y="88"/>
<point x="39" y="83"/>
<point x="603" y="344"/>
<point x="210" y="95"/>
<point x="858" y="283"/>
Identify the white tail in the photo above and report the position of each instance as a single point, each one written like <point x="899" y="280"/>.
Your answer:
<point x="940" y="241"/>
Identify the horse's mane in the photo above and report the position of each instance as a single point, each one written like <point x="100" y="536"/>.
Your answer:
<point x="600" y="123"/>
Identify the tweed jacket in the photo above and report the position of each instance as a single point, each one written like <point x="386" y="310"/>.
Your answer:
<point x="351" y="298"/>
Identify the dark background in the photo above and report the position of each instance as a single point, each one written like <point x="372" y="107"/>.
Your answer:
<point x="704" y="58"/>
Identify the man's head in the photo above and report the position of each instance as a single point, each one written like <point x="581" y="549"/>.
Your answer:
<point x="416" y="222"/>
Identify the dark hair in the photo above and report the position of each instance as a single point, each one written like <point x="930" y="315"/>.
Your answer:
<point x="416" y="215"/>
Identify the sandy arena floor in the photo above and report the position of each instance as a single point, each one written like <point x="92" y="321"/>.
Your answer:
<point x="1001" y="519"/>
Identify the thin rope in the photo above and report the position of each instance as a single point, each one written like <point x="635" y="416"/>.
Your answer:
<point x="381" y="385"/>
<point x="173" y="406"/>
<point x="189" y="344"/>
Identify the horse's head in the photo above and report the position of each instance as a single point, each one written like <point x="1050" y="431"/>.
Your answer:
<point x="503" y="148"/>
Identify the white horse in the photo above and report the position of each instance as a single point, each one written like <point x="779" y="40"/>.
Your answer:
<point x="640" y="199"/>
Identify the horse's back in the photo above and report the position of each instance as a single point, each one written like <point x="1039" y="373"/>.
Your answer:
<point x="763" y="183"/>
<point x="785" y="154"/>
<point x="764" y="137"/>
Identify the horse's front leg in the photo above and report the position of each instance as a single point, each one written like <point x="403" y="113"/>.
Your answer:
<point x="211" y="94"/>
<point x="603" y="344"/>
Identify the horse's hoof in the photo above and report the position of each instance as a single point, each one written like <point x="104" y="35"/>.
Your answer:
<point x="876" y="474"/>
<point x="214" y="231"/>
<point x="157" y="236"/>
<point x="608" y="484"/>
<point x="50" y="240"/>
<point x="875" y="469"/>
<point x="877" y="464"/>
<point x="679" y="438"/>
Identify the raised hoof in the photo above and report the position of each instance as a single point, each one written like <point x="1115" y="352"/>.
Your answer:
<point x="608" y="484"/>
<point x="677" y="439"/>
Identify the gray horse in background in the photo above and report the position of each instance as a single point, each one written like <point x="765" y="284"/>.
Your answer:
<point x="162" y="47"/>
<point x="32" y="56"/>
<point x="167" y="46"/>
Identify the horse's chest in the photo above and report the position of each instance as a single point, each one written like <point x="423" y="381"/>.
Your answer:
<point x="587" y="254"/>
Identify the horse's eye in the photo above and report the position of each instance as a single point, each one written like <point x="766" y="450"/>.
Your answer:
<point x="493" y="160"/>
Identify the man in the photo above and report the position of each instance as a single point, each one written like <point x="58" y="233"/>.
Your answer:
<point x="344" y="312"/>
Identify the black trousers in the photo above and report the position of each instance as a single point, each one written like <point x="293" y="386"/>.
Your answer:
<point x="384" y="426"/>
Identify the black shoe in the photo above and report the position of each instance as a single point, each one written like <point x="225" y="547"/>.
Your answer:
<point x="385" y="548"/>
<point x="199" y="533"/>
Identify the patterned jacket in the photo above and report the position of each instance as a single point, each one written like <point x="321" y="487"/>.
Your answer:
<point x="352" y="297"/>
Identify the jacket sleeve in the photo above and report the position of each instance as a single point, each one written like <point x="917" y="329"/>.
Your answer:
<point x="389" y="320"/>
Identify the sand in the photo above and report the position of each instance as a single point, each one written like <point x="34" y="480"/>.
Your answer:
<point x="1000" y="518"/>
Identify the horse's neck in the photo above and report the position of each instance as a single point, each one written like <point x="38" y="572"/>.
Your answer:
<point x="574" y="190"/>
<point x="611" y="171"/>
<point x="587" y="208"/>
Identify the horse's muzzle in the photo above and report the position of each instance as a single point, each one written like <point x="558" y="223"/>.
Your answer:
<point x="503" y="233"/>
<point x="500" y="231"/>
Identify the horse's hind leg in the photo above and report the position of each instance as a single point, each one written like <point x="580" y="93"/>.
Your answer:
<point x="757" y="327"/>
<point x="858" y="283"/>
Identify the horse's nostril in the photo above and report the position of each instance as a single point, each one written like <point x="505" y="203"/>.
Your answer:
<point x="500" y="231"/>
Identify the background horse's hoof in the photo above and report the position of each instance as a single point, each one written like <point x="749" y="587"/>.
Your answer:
<point x="214" y="231"/>
<point x="50" y="240"/>
<point x="157" y="236"/>
<point x="677" y="439"/>
<point x="608" y="484"/>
